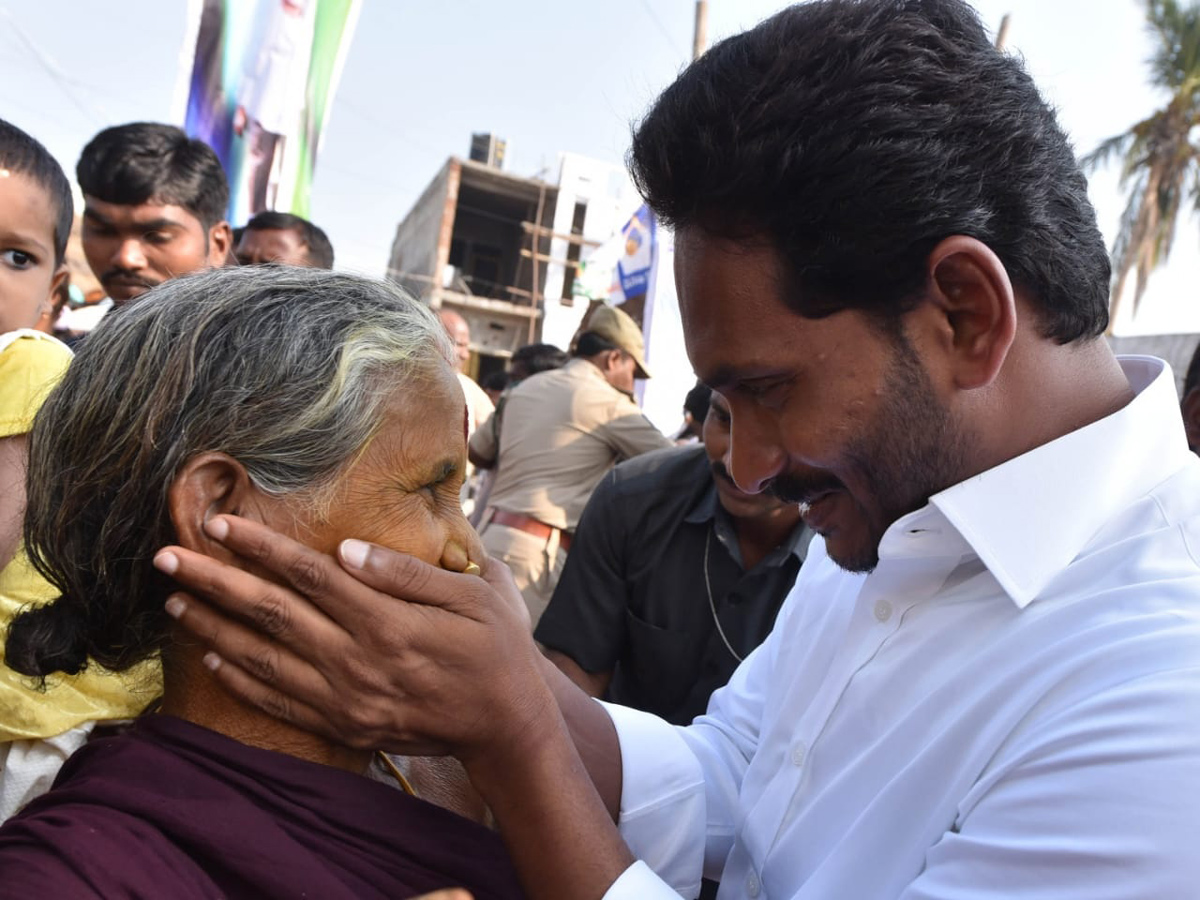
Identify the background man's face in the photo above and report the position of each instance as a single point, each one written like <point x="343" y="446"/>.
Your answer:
<point x="272" y="245"/>
<point x="456" y="326"/>
<point x="621" y="371"/>
<point x="831" y="412"/>
<point x="715" y="435"/>
<point x="134" y="248"/>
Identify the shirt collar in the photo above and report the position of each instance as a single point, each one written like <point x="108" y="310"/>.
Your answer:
<point x="585" y="368"/>
<point x="1027" y="518"/>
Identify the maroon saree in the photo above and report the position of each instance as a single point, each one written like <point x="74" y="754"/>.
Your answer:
<point x="170" y="809"/>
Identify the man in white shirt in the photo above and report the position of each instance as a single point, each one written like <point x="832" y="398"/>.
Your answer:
<point x="986" y="682"/>
<point x="271" y="94"/>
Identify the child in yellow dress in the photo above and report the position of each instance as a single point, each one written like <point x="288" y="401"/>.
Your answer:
<point x="40" y="725"/>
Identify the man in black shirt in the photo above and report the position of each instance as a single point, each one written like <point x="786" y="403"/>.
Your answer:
<point x="674" y="576"/>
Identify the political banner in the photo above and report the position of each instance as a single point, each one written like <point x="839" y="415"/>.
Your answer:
<point x="637" y="260"/>
<point x="260" y="86"/>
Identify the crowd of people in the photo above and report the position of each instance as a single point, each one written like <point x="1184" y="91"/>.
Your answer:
<point x="909" y="608"/>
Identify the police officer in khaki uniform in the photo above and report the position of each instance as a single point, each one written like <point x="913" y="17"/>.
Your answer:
<point x="562" y="431"/>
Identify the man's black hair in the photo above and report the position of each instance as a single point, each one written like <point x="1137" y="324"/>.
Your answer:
<point x="534" y="358"/>
<point x="494" y="381"/>
<point x="697" y="401"/>
<point x="146" y="161"/>
<point x="854" y="135"/>
<point x="316" y="242"/>
<point x="21" y="153"/>
<point x="589" y="344"/>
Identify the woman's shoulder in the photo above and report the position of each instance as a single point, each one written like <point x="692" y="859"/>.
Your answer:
<point x="72" y="848"/>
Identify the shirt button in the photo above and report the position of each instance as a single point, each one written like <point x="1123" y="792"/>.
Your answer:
<point x="883" y="610"/>
<point x="798" y="754"/>
<point x="752" y="885"/>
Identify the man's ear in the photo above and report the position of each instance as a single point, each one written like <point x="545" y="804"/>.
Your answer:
<point x="975" y="308"/>
<point x="1191" y="417"/>
<point x="207" y="485"/>
<point x="220" y="244"/>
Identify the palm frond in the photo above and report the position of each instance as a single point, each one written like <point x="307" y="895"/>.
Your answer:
<point x="1117" y="145"/>
<point x="1160" y="165"/>
<point x="1176" y="33"/>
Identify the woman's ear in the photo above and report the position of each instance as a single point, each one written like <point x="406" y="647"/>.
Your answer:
<point x="207" y="485"/>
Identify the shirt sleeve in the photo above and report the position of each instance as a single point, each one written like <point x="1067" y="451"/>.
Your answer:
<point x="586" y="616"/>
<point x="483" y="438"/>
<point x="680" y="786"/>
<point x="1099" y="803"/>
<point x="631" y="434"/>
<point x="662" y="816"/>
<point x="29" y="369"/>
<point x="639" y="882"/>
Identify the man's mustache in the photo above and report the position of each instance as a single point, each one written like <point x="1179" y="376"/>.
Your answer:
<point x="125" y="276"/>
<point x="791" y="489"/>
<point x="800" y="490"/>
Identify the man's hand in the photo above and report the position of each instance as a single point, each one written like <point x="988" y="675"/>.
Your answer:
<point x="451" y="671"/>
<point x="405" y="657"/>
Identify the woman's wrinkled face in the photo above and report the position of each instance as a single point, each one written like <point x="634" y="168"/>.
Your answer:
<point x="402" y="492"/>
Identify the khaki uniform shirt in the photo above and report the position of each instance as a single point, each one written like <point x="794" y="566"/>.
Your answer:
<point x="562" y="431"/>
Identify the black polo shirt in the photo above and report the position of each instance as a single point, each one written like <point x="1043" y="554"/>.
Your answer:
<point x="632" y="597"/>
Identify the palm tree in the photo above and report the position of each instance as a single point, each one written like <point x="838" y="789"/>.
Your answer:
<point x="1160" y="160"/>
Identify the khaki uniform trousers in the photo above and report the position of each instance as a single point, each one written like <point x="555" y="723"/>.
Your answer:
<point x="536" y="562"/>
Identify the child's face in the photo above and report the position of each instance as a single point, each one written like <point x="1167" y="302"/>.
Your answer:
<point x="28" y="274"/>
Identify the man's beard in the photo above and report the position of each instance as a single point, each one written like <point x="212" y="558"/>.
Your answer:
<point x="910" y="451"/>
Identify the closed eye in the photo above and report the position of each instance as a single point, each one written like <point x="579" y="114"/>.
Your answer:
<point x="762" y="387"/>
<point x="445" y="481"/>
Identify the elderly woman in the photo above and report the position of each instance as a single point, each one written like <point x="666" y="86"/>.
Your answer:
<point x="322" y="405"/>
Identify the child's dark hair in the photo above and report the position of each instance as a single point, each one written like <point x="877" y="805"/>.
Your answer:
<point x="22" y="154"/>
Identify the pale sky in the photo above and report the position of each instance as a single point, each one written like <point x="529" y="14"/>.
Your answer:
<point x="550" y="76"/>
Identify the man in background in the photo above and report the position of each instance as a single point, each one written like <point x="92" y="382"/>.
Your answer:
<point x="154" y="207"/>
<point x="563" y="430"/>
<point x="479" y="404"/>
<point x="526" y="361"/>
<point x="674" y="576"/>
<point x="277" y="237"/>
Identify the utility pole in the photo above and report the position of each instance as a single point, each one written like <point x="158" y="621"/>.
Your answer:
<point x="1002" y="34"/>
<point x="700" y="36"/>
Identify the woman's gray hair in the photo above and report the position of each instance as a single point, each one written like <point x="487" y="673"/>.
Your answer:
<point x="283" y="369"/>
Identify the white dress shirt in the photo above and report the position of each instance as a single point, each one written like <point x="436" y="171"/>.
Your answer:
<point x="1007" y="706"/>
